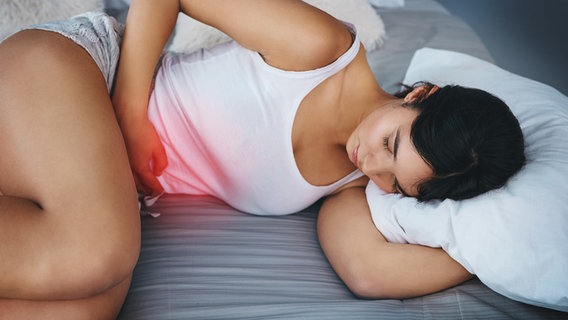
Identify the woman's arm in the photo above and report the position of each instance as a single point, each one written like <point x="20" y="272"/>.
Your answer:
<point x="148" y="27"/>
<point x="369" y="265"/>
<point x="288" y="34"/>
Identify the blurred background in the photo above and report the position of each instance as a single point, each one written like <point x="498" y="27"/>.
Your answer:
<point x="526" y="37"/>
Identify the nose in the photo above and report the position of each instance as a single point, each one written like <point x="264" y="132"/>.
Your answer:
<point x="376" y="162"/>
<point x="378" y="167"/>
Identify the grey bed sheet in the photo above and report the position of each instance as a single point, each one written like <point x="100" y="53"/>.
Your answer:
<point x="204" y="260"/>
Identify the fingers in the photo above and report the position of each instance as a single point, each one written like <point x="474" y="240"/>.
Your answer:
<point x="147" y="157"/>
<point x="147" y="182"/>
<point x="148" y="176"/>
<point x="159" y="161"/>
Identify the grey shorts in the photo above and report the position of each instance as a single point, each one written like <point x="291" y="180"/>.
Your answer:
<point x="98" y="33"/>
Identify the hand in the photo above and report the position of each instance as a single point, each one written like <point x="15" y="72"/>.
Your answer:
<point x="146" y="154"/>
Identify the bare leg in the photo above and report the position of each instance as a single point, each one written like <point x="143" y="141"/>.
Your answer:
<point x="69" y="223"/>
<point x="103" y="306"/>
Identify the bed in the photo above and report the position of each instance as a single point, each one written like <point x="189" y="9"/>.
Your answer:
<point x="201" y="259"/>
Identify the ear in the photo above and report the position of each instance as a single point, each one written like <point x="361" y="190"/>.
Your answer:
<point x="415" y="93"/>
<point x="420" y="93"/>
<point x="433" y="89"/>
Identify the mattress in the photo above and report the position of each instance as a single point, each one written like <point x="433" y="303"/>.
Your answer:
<point x="201" y="259"/>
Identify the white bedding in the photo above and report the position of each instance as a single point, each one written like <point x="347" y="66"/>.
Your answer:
<point x="514" y="239"/>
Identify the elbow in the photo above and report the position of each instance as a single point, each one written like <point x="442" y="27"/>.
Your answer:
<point x="367" y="284"/>
<point x="364" y="289"/>
<point x="324" y="47"/>
<point x="378" y="279"/>
<point x="374" y="289"/>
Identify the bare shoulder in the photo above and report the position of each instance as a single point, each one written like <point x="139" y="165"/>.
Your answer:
<point x="290" y="35"/>
<point x="347" y="201"/>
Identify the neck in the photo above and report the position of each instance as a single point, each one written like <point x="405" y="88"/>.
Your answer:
<point x="360" y="94"/>
<point x="356" y="107"/>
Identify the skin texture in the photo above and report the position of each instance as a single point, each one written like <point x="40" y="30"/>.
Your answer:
<point x="372" y="267"/>
<point x="71" y="234"/>
<point x="341" y="113"/>
<point x="382" y="149"/>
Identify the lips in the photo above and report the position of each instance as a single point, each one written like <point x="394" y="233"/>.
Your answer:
<point x="356" y="156"/>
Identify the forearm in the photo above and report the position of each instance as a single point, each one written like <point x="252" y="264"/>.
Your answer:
<point x="405" y="270"/>
<point x="372" y="267"/>
<point x="148" y="26"/>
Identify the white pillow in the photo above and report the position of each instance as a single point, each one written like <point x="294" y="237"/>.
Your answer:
<point x="387" y="3"/>
<point x="191" y="35"/>
<point x="20" y="13"/>
<point x="514" y="239"/>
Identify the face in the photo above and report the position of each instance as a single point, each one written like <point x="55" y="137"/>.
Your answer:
<point x="382" y="149"/>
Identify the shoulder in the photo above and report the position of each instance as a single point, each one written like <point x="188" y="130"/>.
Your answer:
<point x="315" y="49"/>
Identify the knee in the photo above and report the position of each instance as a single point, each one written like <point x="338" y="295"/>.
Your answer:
<point x="105" y="265"/>
<point x="112" y="259"/>
<point x="104" y="306"/>
<point x="89" y="274"/>
<point x="83" y="266"/>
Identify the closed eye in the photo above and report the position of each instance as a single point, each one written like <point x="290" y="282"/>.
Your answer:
<point x="396" y="142"/>
<point x="386" y="143"/>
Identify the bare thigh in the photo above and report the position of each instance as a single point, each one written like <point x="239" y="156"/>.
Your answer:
<point x="104" y="306"/>
<point x="70" y="224"/>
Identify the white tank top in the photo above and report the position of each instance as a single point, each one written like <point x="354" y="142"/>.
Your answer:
<point x="225" y="117"/>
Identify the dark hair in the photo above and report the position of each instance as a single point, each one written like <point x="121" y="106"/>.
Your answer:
<point x="469" y="137"/>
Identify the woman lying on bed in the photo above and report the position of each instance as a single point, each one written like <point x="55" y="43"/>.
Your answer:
<point x="290" y="115"/>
